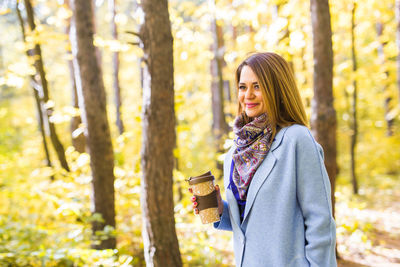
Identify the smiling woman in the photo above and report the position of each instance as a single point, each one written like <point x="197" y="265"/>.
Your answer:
<point x="278" y="192"/>
<point x="250" y="94"/>
<point x="269" y="76"/>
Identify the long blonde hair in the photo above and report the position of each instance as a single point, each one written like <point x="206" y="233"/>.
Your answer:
<point x="280" y="93"/>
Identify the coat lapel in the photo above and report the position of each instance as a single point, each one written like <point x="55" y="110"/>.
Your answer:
<point x="260" y="176"/>
<point x="227" y="165"/>
<point x="233" y="206"/>
<point x="262" y="173"/>
<point x="258" y="179"/>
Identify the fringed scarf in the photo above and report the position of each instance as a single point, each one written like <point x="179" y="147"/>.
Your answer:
<point x="253" y="141"/>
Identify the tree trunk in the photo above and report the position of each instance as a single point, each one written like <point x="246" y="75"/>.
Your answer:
<point x="92" y="102"/>
<point x="397" y="11"/>
<point x="323" y="119"/>
<point x="161" y="246"/>
<point x="286" y="32"/>
<point x="388" y="99"/>
<point x="98" y="52"/>
<point x="35" y="87"/>
<point x="44" y="94"/>
<point x="304" y="71"/>
<point x="117" y="89"/>
<point x="1" y="61"/>
<point x="354" y="122"/>
<point x="219" y="126"/>
<point x="77" y="133"/>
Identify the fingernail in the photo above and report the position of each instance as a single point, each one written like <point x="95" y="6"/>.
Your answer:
<point x="195" y="203"/>
<point x="193" y="198"/>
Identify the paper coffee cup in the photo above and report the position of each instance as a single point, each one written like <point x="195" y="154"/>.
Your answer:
<point x="206" y="197"/>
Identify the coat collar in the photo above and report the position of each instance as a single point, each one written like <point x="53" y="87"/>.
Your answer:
<point x="260" y="176"/>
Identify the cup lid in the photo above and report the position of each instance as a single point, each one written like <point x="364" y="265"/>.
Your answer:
<point x="205" y="177"/>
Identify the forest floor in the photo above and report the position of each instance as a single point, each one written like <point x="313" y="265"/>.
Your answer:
<point x="368" y="228"/>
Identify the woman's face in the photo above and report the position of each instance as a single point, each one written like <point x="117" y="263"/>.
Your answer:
<point x="250" y="95"/>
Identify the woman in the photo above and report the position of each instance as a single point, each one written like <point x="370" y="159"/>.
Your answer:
<point x="277" y="188"/>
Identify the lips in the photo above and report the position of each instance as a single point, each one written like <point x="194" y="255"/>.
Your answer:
<point x="251" y="105"/>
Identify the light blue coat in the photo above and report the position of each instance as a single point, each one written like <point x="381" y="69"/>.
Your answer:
<point x="288" y="219"/>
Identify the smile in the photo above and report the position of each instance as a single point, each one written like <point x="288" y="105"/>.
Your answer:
<point x="251" y="105"/>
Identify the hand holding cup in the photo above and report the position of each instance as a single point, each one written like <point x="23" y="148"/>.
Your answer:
<point x="206" y="198"/>
<point x="219" y="198"/>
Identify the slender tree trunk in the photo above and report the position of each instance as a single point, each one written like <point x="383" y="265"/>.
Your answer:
<point x="98" y="51"/>
<point x="304" y="70"/>
<point x="41" y="126"/>
<point x="286" y="31"/>
<point x="35" y="87"/>
<point x="161" y="246"/>
<point x="1" y="61"/>
<point x="323" y="119"/>
<point x="388" y="99"/>
<point x="77" y="132"/>
<point x="44" y="94"/>
<point x="354" y="124"/>
<point x="397" y="11"/>
<point x="219" y="126"/>
<point x="92" y="102"/>
<point x="117" y="89"/>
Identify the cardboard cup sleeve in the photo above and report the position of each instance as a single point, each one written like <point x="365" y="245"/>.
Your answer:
<point x="206" y="197"/>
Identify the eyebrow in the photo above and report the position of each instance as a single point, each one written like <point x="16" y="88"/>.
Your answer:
<point x="252" y="83"/>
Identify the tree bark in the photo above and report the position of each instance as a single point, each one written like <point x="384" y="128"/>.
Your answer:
<point x="36" y="89"/>
<point x="1" y="61"/>
<point x="304" y="71"/>
<point x="388" y="99"/>
<point x="117" y="89"/>
<point x="323" y="119"/>
<point x="77" y="133"/>
<point x="92" y="102"/>
<point x="219" y="126"/>
<point x="354" y="122"/>
<point x="44" y="94"/>
<point x="98" y="51"/>
<point x="397" y="11"/>
<point x="161" y="246"/>
<point x="286" y="32"/>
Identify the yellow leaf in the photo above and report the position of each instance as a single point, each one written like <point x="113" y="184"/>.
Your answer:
<point x="4" y="11"/>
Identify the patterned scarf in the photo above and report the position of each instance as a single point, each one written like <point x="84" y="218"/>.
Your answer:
<point x="253" y="143"/>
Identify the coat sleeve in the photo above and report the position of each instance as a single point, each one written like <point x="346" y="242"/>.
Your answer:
<point x="314" y="197"/>
<point x="225" y="222"/>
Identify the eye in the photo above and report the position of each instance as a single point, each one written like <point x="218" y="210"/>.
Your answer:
<point x="242" y="87"/>
<point x="256" y="86"/>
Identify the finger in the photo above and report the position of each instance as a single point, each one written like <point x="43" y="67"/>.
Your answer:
<point x="217" y="187"/>
<point x="195" y="204"/>
<point x="193" y="198"/>
<point x="190" y="190"/>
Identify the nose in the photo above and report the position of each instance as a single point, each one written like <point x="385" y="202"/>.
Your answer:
<point x="249" y="93"/>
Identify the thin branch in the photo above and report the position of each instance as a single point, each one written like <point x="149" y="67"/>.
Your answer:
<point x="36" y="86"/>
<point x="134" y="33"/>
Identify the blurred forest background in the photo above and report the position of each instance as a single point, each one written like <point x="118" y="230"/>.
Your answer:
<point x="52" y="196"/>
